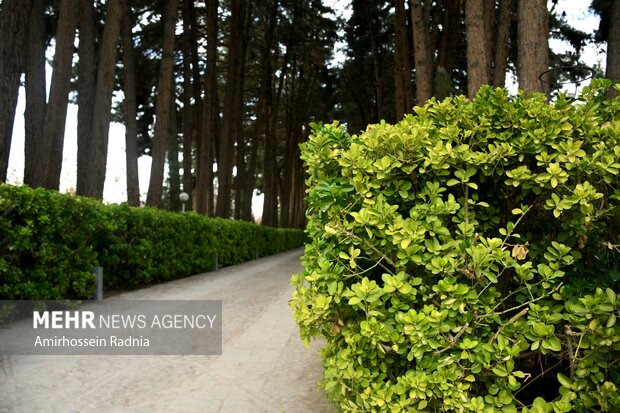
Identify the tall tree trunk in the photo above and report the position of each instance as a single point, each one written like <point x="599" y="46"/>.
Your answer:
<point x="56" y="112"/>
<point x="294" y="115"/>
<point x="240" y="177"/>
<point x="174" y="175"/>
<point x="403" y="91"/>
<point x="489" y="33"/>
<point x="292" y="207"/>
<point x="613" y="47"/>
<point x="296" y="211"/>
<point x="451" y="33"/>
<point x="423" y="53"/>
<point x="14" y="35"/>
<point x="533" y="45"/>
<point x="86" y="89"/>
<point x="232" y="108"/>
<point x="198" y="100"/>
<point x="210" y="119"/>
<point x="188" y="93"/>
<point x="377" y="66"/>
<point x="130" y="107"/>
<point x="248" y="190"/>
<point x="242" y="180"/>
<point x="36" y="143"/>
<point x="478" y="57"/>
<point x="287" y="164"/>
<point x="165" y="94"/>
<point x="285" y="182"/>
<point x="501" y="48"/>
<point x="98" y="148"/>
<point x="269" y="113"/>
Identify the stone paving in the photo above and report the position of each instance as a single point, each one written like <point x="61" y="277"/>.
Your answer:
<point x="264" y="366"/>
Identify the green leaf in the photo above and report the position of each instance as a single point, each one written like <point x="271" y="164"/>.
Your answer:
<point x="554" y="182"/>
<point x="500" y="371"/>
<point x="540" y="403"/>
<point x="552" y="343"/>
<point x="564" y="381"/>
<point x="330" y="230"/>
<point x="611" y="321"/>
<point x="354" y="300"/>
<point x="509" y="408"/>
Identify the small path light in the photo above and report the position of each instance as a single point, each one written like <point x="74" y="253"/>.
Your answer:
<point x="184" y="197"/>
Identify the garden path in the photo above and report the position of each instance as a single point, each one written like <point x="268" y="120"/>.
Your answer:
<point x="264" y="367"/>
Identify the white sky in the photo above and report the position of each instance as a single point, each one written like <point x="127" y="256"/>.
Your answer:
<point x="115" y="185"/>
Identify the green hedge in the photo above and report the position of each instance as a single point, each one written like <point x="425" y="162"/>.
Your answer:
<point x="50" y="242"/>
<point x="467" y="258"/>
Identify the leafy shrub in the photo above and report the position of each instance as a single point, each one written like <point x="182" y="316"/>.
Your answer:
<point x="50" y="242"/>
<point x="47" y="244"/>
<point x="467" y="258"/>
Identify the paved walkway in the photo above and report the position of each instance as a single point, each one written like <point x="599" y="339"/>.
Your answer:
<point x="264" y="366"/>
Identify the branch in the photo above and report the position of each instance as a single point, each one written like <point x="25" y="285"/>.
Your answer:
<point x="509" y="322"/>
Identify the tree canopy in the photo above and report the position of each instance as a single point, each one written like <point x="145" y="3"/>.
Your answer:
<point x="222" y="92"/>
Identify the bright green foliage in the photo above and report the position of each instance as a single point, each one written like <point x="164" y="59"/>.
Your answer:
<point x="467" y="258"/>
<point x="50" y="242"/>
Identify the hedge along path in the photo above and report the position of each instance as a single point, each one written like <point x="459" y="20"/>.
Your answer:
<point x="50" y="242"/>
<point x="467" y="258"/>
<point x="264" y="367"/>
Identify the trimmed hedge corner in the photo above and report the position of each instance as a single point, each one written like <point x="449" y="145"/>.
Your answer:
<point x="50" y="242"/>
<point x="467" y="258"/>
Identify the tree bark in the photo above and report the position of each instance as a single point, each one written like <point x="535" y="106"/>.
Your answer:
<point x="489" y="33"/>
<point x="423" y="54"/>
<point x="36" y="144"/>
<point x="198" y="99"/>
<point x="174" y="176"/>
<point x="478" y="57"/>
<point x="188" y="93"/>
<point x="130" y="107"/>
<point x="403" y="91"/>
<point x="533" y="46"/>
<point x="165" y="94"/>
<point x="248" y="190"/>
<point x="377" y="65"/>
<point x="14" y="16"/>
<point x="56" y="112"/>
<point x="240" y="177"/>
<point x="269" y="113"/>
<point x="613" y="47"/>
<point x="451" y="33"/>
<point x="86" y="87"/>
<point x="232" y="108"/>
<point x="501" y="49"/>
<point x="210" y="119"/>
<point x="98" y="148"/>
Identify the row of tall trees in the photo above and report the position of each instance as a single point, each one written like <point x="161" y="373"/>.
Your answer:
<point x="221" y="91"/>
